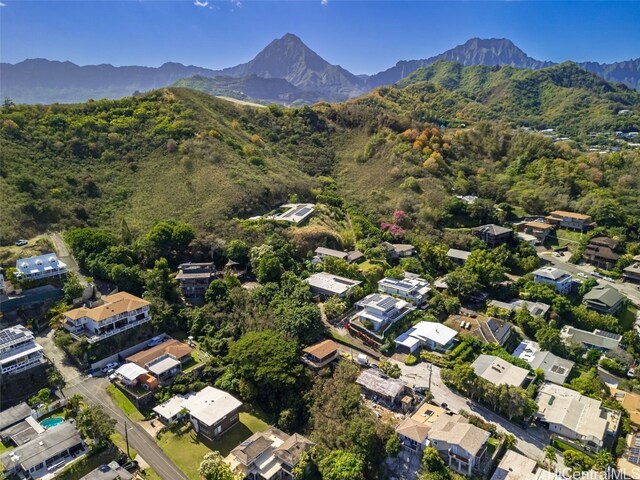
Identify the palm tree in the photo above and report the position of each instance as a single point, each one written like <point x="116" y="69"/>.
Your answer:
<point x="550" y="456"/>
<point x="510" y="441"/>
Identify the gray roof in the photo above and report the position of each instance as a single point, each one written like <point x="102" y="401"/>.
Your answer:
<point x="492" y="229"/>
<point x="555" y="369"/>
<point x="376" y="382"/>
<point x="500" y="330"/>
<point x="47" y="445"/>
<point x="498" y="371"/>
<point x="14" y="415"/>
<point x="456" y="430"/>
<point x="459" y="254"/>
<point x="256" y="444"/>
<point x="330" y="252"/>
<point x="551" y="273"/>
<point x="603" y="295"/>
<point x="635" y="268"/>
<point x="535" y="308"/>
<point x="110" y="471"/>
<point x="292" y="448"/>
<point x="597" y="338"/>
<point x="330" y="283"/>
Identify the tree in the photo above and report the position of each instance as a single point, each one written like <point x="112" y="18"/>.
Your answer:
<point x="550" y="455"/>
<point x="217" y="293"/>
<point x="73" y="406"/>
<point x="510" y="441"/>
<point x="213" y="467"/>
<point x="72" y="288"/>
<point x="462" y="282"/>
<point x="390" y="369"/>
<point x="56" y="379"/>
<point x="96" y="423"/>
<point x="238" y="251"/>
<point x="603" y="460"/>
<point x="392" y="447"/>
<point x="268" y="367"/>
<point x="487" y="265"/>
<point x="341" y="465"/>
<point x="334" y="307"/>
<point x="433" y="466"/>
<point x="269" y="269"/>
<point x="586" y="286"/>
<point x="299" y="321"/>
<point x="549" y="339"/>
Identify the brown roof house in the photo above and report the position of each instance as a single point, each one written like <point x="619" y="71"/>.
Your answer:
<point x="163" y="361"/>
<point x="461" y="444"/>
<point x="267" y="455"/>
<point x="114" y="314"/>
<point x="539" y="230"/>
<point x="570" y="220"/>
<point x="600" y="252"/>
<point x="320" y="354"/>
<point x="414" y="430"/>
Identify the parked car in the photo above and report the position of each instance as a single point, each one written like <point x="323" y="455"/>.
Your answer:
<point x="557" y="254"/>
<point x="155" y="341"/>
<point x="444" y="405"/>
<point x="130" y="465"/>
<point x="583" y="275"/>
<point x="596" y="274"/>
<point x="362" y="359"/>
<point x="608" y="279"/>
<point x="631" y="372"/>
<point x="22" y="242"/>
<point x="420" y="390"/>
<point x="110" y="366"/>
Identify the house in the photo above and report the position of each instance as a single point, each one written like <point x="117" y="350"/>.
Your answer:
<point x="558" y="279"/>
<point x="194" y="279"/>
<point x="526" y="238"/>
<point x="411" y="288"/>
<point x="115" y="314"/>
<point x="498" y="371"/>
<point x="349" y="257"/>
<point x="108" y="471"/>
<point x="45" y="454"/>
<point x="461" y="444"/>
<point x="399" y="250"/>
<point x="567" y="413"/>
<point x="431" y="335"/>
<point x="375" y="313"/>
<point x="556" y="369"/>
<point x="468" y="199"/>
<point x="129" y="373"/>
<point x="295" y="213"/>
<point x="211" y="411"/>
<point x="329" y="285"/>
<point x="320" y="354"/>
<point x="493" y="235"/>
<point x="632" y="272"/>
<point x="537" y="309"/>
<point x="413" y="431"/>
<point x="458" y="256"/>
<point x="539" y="230"/>
<point x="600" y="252"/>
<point x="14" y="415"/>
<point x="382" y="389"/>
<point x="598" y="339"/>
<point x="164" y="361"/>
<point x="268" y="455"/>
<point x="22" y="432"/>
<point x="631" y="403"/>
<point x="570" y="220"/>
<point x="515" y="466"/>
<point x="604" y="299"/>
<point x="42" y="266"/>
<point x="501" y="331"/>
<point x="18" y="350"/>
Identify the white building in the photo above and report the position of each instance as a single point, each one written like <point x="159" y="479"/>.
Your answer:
<point x="328" y="285"/>
<point x="498" y="371"/>
<point x="431" y="335"/>
<point x="558" y="279"/>
<point x="412" y="288"/>
<point x="381" y="311"/>
<point x="572" y="415"/>
<point x="42" y="266"/>
<point x="18" y="350"/>
<point x="294" y="212"/>
<point x="117" y="313"/>
<point x="515" y="466"/>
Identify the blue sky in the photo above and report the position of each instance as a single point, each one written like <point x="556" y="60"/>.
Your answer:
<point x="362" y="36"/>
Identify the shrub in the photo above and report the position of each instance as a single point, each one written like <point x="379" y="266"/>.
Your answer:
<point x="411" y="360"/>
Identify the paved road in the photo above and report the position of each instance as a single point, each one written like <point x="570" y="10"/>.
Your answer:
<point x="94" y="392"/>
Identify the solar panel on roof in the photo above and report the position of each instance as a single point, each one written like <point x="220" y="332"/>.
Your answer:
<point x="634" y="451"/>
<point x="303" y="211"/>
<point x="387" y="302"/>
<point x="608" y="334"/>
<point x="636" y="442"/>
<point x="10" y="335"/>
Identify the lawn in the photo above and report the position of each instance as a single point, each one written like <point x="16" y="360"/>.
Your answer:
<point x="344" y="340"/>
<point x="124" y="403"/>
<point x="119" y="441"/>
<point x="186" y="448"/>
<point x="627" y="316"/>
<point x="5" y="448"/>
<point x="87" y="464"/>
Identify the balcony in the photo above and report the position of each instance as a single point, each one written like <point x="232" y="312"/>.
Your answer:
<point x="92" y="337"/>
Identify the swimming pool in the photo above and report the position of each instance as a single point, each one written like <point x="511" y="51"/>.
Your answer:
<point x="51" y="422"/>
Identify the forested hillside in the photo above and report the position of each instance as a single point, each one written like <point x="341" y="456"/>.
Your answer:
<point x="183" y="155"/>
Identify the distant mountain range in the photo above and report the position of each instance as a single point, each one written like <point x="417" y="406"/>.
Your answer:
<point x="285" y="71"/>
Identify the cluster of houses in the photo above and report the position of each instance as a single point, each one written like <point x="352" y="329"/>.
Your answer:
<point x="39" y="450"/>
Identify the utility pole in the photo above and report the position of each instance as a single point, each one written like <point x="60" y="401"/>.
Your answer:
<point x="126" y="437"/>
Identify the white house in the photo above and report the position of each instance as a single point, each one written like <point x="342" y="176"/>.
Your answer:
<point x="411" y="288"/>
<point x="431" y="335"/>
<point x="381" y="311"/>
<point x="42" y="266"/>
<point x="328" y="285"/>
<point x="18" y="350"/>
<point x="117" y="313"/>
<point x="558" y="279"/>
<point x="572" y="415"/>
<point x="556" y="369"/>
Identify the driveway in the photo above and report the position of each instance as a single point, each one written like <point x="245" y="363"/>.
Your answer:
<point x="94" y="391"/>
<point x="65" y="255"/>
<point x="531" y="442"/>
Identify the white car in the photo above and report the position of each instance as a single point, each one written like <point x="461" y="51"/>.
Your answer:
<point x="609" y="279"/>
<point x="583" y="275"/>
<point x="557" y="254"/>
<point x="110" y="366"/>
